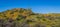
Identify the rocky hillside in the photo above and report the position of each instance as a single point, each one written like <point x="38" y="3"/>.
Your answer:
<point x="20" y="17"/>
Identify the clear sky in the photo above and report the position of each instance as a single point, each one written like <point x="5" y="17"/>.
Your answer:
<point x="38" y="6"/>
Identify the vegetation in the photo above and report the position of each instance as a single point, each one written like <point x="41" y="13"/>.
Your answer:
<point x="20" y="17"/>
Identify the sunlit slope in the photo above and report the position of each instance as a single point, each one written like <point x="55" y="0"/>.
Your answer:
<point x="15" y="12"/>
<point x="22" y="15"/>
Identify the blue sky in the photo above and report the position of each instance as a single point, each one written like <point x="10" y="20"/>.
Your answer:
<point x="38" y="6"/>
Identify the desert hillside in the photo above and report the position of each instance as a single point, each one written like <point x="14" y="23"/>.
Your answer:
<point x="20" y="17"/>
